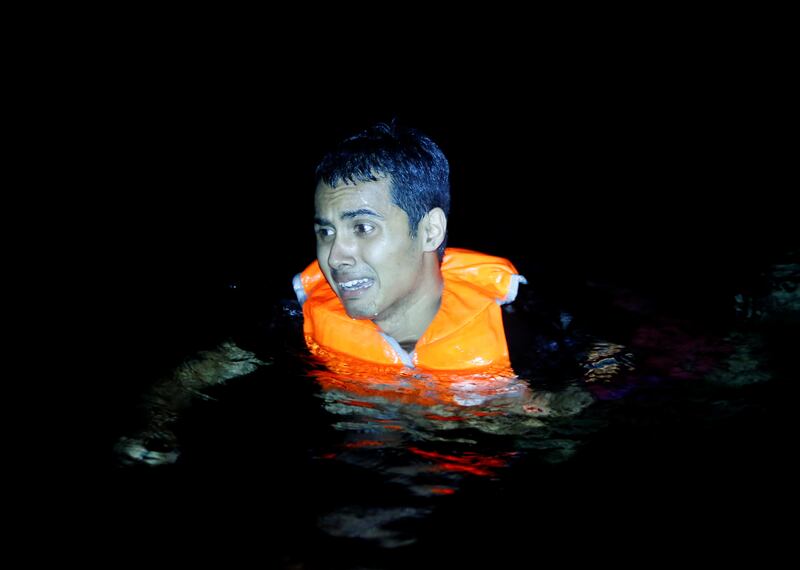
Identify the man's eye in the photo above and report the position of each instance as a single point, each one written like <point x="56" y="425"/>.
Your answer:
<point x="364" y="228"/>
<point x="324" y="232"/>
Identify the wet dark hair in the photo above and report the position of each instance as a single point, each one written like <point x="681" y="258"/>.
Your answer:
<point x="418" y="170"/>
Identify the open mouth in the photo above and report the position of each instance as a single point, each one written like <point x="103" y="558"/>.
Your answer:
<point x="355" y="287"/>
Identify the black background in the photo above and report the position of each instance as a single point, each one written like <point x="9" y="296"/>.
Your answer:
<point x="676" y="184"/>
<point x="177" y="175"/>
<point x="184" y="176"/>
<point x="199" y="193"/>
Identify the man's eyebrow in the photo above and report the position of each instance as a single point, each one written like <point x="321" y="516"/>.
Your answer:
<point x="360" y="212"/>
<point x="349" y="214"/>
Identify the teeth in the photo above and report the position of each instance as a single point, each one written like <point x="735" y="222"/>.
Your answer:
<point x="355" y="284"/>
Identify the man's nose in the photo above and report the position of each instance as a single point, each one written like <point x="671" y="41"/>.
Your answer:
<point x="342" y="253"/>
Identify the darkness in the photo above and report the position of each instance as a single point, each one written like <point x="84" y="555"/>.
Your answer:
<point x="195" y="192"/>
<point x="670" y="189"/>
<point x="191" y="193"/>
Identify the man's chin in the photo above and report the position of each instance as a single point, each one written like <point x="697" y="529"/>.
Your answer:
<point x="354" y="311"/>
<point x="360" y="315"/>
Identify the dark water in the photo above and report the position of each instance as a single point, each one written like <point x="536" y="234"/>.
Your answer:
<point x="684" y="452"/>
<point x="639" y="202"/>
<point x="665" y="426"/>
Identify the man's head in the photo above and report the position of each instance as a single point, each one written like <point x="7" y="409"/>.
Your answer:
<point x="382" y="199"/>
<point x="416" y="168"/>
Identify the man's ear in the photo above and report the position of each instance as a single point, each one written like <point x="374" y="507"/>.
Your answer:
<point x="433" y="229"/>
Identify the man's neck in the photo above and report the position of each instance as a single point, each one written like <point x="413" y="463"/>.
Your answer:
<point x="407" y="325"/>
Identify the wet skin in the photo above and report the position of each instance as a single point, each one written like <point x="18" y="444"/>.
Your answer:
<point x="369" y="258"/>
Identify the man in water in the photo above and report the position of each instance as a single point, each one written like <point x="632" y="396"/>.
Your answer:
<point x="384" y="291"/>
<point x="392" y="294"/>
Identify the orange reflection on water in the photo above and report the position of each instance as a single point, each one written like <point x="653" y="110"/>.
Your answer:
<point x="469" y="462"/>
<point x="411" y="411"/>
<point x="368" y="384"/>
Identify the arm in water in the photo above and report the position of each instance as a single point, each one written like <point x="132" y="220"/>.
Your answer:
<point x="259" y="335"/>
<point x="155" y="443"/>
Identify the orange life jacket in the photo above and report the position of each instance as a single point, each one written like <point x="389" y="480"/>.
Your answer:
<point x="466" y="333"/>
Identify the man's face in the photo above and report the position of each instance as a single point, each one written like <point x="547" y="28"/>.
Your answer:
<point x="365" y="250"/>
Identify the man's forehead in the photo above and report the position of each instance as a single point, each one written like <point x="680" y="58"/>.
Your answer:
<point x="348" y="195"/>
